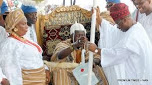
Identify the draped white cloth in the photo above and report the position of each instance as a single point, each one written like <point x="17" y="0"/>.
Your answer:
<point x="16" y="55"/>
<point x="31" y="33"/>
<point x="106" y="41"/>
<point x="3" y="34"/>
<point x="137" y="15"/>
<point x="146" y="21"/>
<point x="1" y="75"/>
<point x="128" y="53"/>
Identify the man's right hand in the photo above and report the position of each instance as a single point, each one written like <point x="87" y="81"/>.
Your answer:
<point x="80" y="42"/>
<point x="5" y="82"/>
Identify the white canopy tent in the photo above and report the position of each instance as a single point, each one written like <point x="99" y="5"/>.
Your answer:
<point x="87" y="4"/>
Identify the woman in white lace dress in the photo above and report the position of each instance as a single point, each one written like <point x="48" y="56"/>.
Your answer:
<point x="21" y="59"/>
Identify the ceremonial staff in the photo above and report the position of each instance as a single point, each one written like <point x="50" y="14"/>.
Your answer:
<point x="92" y="39"/>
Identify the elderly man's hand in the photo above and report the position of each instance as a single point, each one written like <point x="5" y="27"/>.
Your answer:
<point x="5" y="82"/>
<point x="80" y="42"/>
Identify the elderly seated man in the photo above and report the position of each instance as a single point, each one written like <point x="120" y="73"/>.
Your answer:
<point x="68" y="56"/>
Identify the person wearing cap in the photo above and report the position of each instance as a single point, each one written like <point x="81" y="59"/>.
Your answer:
<point x="110" y="3"/>
<point x="69" y="52"/>
<point x="129" y="49"/>
<point x="31" y="15"/>
<point x="106" y="14"/>
<point x="144" y="15"/>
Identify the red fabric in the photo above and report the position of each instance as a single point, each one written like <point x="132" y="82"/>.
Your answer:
<point x="119" y="11"/>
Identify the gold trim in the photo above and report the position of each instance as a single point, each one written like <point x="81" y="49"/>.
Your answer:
<point x="70" y="9"/>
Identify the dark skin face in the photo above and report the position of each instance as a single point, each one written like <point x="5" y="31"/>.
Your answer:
<point x="79" y="41"/>
<point x="79" y="36"/>
<point x="31" y="18"/>
<point x="22" y="27"/>
<point x="124" y="24"/>
<point x="135" y="3"/>
<point x="143" y="5"/>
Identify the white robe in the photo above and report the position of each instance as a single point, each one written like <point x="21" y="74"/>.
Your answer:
<point x="1" y="75"/>
<point x="15" y="56"/>
<point x="3" y="34"/>
<point x="129" y="54"/>
<point x="31" y="33"/>
<point x="134" y="15"/>
<point x="146" y="21"/>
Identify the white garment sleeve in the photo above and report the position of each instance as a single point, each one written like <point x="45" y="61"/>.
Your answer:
<point x="3" y="34"/>
<point x="12" y="71"/>
<point x="10" y="64"/>
<point x="114" y="56"/>
<point x="109" y="35"/>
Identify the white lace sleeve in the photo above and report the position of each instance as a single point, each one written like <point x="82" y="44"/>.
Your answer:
<point x="9" y="62"/>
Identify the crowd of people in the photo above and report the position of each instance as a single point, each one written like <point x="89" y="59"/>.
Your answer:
<point x="123" y="55"/>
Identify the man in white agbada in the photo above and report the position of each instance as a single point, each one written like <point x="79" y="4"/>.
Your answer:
<point x="31" y="15"/>
<point x="136" y="15"/>
<point x="129" y="50"/>
<point x="144" y="16"/>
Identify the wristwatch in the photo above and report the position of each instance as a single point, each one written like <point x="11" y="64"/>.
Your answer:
<point x="96" y="50"/>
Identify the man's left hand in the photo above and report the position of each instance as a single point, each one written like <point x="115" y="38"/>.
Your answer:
<point x="92" y="47"/>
